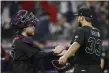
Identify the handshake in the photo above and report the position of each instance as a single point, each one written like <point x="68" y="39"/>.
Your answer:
<point x="59" y="50"/>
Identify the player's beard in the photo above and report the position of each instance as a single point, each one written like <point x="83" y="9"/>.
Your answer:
<point x="30" y="34"/>
<point x="79" y="24"/>
<point x="30" y="31"/>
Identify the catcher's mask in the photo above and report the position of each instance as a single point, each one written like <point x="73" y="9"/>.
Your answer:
<point x="22" y="19"/>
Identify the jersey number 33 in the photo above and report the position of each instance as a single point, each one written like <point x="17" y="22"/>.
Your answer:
<point x="94" y="46"/>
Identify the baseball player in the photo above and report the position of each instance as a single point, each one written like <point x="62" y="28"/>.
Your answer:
<point x="86" y="45"/>
<point x="24" y="52"/>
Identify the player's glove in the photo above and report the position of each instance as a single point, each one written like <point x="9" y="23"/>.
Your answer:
<point x="59" y="67"/>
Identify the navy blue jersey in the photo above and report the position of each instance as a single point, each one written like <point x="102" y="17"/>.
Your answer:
<point x="26" y="55"/>
<point x="90" y="41"/>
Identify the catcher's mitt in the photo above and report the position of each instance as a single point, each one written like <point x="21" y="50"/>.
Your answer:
<point x="60" y="68"/>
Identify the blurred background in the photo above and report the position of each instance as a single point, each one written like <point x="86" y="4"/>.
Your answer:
<point x="57" y="26"/>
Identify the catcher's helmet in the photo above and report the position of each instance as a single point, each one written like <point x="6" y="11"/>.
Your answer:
<point x="22" y="19"/>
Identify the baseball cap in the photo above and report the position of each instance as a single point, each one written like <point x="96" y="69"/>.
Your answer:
<point x="84" y="12"/>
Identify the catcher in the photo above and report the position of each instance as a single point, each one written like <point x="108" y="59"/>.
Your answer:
<point x="24" y="53"/>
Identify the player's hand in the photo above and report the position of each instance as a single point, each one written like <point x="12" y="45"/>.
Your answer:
<point x="62" y="60"/>
<point x="58" y="49"/>
<point x="62" y="53"/>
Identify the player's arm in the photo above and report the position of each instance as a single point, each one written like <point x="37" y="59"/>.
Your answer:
<point x="76" y="44"/>
<point x="72" y="49"/>
<point x="57" y="51"/>
<point x="37" y="53"/>
<point x="44" y="54"/>
<point x="40" y="45"/>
